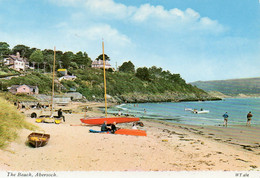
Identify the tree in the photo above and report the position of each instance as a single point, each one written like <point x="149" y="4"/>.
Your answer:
<point x="82" y="59"/>
<point x="177" y="78"/>
<point x="37" y="56"/>
<point x="157" y="72"/>
<point x="4" y="48"/>
<point x="127" y="67"/>
<point x="100" y="57"/>
<point x="49" y="58"/>
<point x="30" y="51"/>
<point x="47" y="52"/>
<point x="74" y="65"/>
<point x="66" y="58"/>
<point x="87" y="60"/>
<point x="143" y="73"/>
<point x="22" y="49"/>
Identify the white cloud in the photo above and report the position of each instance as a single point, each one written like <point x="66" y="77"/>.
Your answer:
<point x="154" y="15"/>
<point x="147" y="11"/>
<point x="172" y="19"/>
<point x="109" y="7"/>
<point x="97" y="32"/>
<point x="175" y="19"/>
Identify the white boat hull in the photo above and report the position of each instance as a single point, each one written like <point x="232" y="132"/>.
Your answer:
<point x="201" y="112"/>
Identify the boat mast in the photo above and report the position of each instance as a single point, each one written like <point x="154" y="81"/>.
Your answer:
<point x="104" y="68"/>
<point x="53" y="73"/>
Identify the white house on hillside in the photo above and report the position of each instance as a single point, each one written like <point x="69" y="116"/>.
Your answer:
<point x="99" y="64"/>
<point x="15" y="62"/>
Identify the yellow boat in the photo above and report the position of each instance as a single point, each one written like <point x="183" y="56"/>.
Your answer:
<point x="48" y="119"/>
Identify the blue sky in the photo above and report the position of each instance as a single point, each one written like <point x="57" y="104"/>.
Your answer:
<point x="201" y="40"/>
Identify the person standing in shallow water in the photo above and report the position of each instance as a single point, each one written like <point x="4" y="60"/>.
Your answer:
<point x="225" y="119"/>
<point x="249" y="118"/>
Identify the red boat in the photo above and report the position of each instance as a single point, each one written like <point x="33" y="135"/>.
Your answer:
<point x="131" y="132"/>
<point x="110" y="120"/>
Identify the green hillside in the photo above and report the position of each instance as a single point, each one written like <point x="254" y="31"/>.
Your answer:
<point x="122" y="86"/>
<point x="127" y="84"/>
<point x="233" y="87"/>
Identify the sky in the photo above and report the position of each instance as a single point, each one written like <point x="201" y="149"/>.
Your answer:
<point x="200" y="40"/>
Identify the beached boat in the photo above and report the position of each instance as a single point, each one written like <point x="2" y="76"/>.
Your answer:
<point x="201" y="112"/>
<point x="131" y="132"/>
<point x="38" y="139"/>
<point x="134" y="132"/>
<point x="109" y="120"/>
<point x="48" y="119"/>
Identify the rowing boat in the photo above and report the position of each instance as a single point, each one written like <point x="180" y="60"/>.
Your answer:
<point x="38" y="139"/>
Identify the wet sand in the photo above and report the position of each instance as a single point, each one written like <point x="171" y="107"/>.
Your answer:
<point x="167" y="147"/>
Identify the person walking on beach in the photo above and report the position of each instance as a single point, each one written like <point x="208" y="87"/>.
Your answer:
<point x="225" y="119"/>
<point x="60" y="114"/>
<point x="249" y="117"/>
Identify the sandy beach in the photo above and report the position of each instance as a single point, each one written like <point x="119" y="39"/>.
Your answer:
<point x="167" y="147"/>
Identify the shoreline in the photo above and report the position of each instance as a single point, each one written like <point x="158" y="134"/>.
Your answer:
<point x="167" y="147"/>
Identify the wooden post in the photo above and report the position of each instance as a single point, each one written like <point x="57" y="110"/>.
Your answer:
<point x="53" y="74"/>
<point x="104" y="68"/>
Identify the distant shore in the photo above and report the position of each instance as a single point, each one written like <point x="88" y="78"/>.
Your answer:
<point x="167" y="147"/>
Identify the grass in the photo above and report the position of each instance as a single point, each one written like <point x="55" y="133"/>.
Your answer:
<point x="11" y="121"/>
<point x="14" y="98"/>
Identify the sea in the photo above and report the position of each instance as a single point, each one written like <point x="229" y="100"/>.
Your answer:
<point x="176" y="112"/>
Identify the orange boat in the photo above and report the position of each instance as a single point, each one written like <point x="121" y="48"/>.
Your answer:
<point x="110" y="120"/>
<point x="123" y="132"/>
<point x="131" y="132"/>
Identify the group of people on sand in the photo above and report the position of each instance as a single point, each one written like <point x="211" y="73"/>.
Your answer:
<point x="112" y="128"/>
<point x="248" y="123"/>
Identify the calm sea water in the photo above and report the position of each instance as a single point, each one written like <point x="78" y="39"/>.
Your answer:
<point x="237" y="109"/>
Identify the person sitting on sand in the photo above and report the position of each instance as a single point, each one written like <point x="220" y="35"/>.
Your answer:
<point x="60" y="114"/>
<point x="225" y="119"/>
<point x="113" y="127"/>
<point x="249" y="117"/>
<point x="134" y="126"/>
<point x="104" y="126"/>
